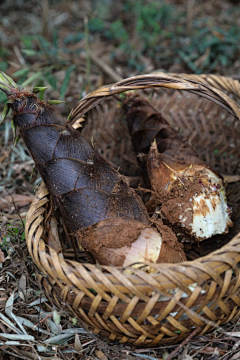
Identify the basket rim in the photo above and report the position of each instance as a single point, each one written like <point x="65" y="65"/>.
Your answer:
<point x="208" y="86"/>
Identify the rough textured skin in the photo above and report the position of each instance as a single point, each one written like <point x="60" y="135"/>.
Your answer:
<point x="86" y="187"/>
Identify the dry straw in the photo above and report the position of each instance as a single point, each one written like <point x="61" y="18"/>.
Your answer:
<point x="131" y="305"/>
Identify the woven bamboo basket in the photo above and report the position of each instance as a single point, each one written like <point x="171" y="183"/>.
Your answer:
<point x="131" y="305"/>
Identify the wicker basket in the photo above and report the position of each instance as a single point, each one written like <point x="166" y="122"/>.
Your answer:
<point x="130" y="305"/>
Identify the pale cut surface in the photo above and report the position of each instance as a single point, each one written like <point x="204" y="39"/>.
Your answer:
<point x="211" y="214"/>
<point x="145" y="249"/>
<point x="213" y="219"/>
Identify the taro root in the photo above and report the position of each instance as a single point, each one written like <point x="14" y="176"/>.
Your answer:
<point x="190" y="196"/>
<point x="106" y="216"/>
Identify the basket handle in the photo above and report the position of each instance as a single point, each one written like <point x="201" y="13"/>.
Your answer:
<point x="224" y="83"/>
<point x="151" y="81"/>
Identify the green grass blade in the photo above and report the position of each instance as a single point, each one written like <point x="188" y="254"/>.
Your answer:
<point x="66" y="81"/>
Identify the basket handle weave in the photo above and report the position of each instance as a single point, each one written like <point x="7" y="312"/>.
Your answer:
<point x="152" y="81"/>
<point x="224" y="83"/>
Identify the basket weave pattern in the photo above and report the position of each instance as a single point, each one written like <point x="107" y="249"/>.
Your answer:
<point x="129" y="304"/>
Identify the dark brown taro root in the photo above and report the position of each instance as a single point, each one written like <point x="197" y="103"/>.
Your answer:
<point x="190" y="195"/>
<point x="107" y="217"/>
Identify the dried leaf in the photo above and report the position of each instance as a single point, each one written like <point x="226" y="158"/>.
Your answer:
<point x="9" y="305"/>
<point x="100" y="355"/>
<point x="42" y="313"/>
<point x="14" y="343"/>
<point x="188" y="357"/>
<point x="147" y="357"/>
<point x="58" y="339"/>
<point x="41" y="300"/>
<point x="33" y="356"/>
<point x="77" y="343"/>
<point x="54" y="328"/>
<point x="31" y="325"/>
<point x="41" y="348"/>
<point x="233" y="334"/>
<point x="17" y="199"/>
<point x="8" y="311"/>
<point x="22" y="337"/>
<point x="235" y="356"/>
<point x="27" y="166"/>
<point x="2" y="257"/>
<point x="73" y="331"/>
<point x="9" y="323"/>
<point x="3" y="297"/>
<point x="56" y="317"/>
<point x="87" y="343"/>
<point x="22" y="287"/>
<point x="10" y="274"/>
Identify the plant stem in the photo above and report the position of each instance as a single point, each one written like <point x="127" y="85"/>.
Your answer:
<point x="88" y="60"/>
